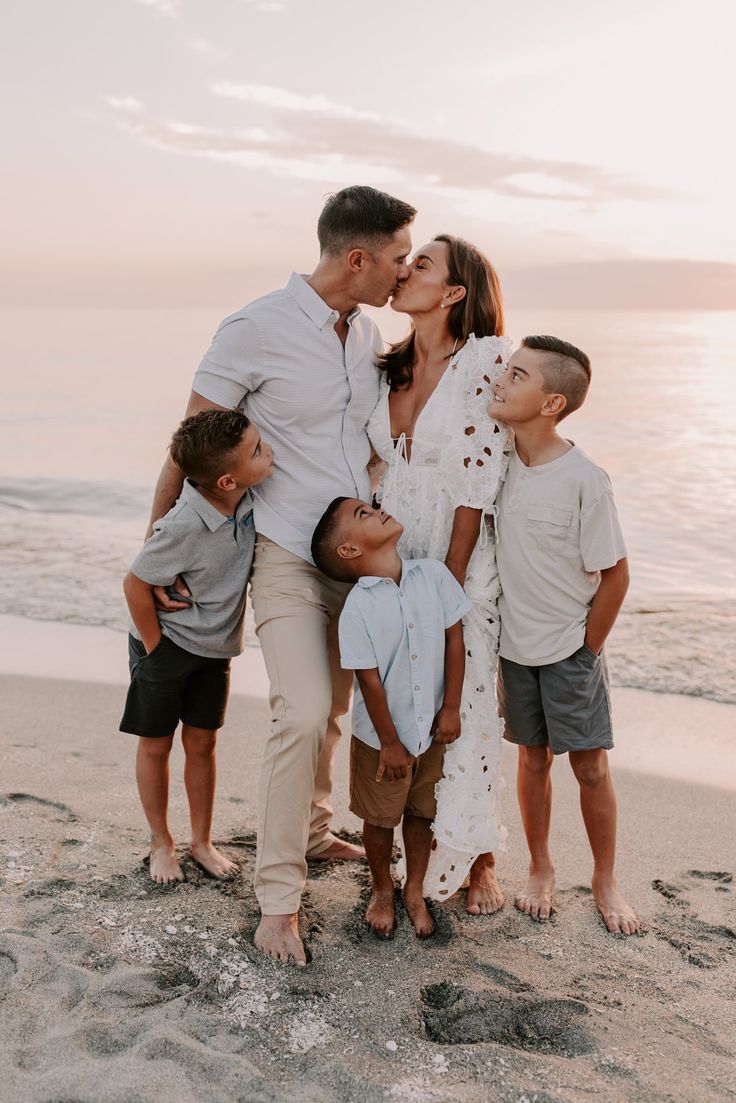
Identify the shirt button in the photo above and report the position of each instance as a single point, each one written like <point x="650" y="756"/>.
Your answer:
<point x="419" y="719"/>
<point x="417" y="687"/>
<point x="413" y="656"/>
<point x="411" y="625"/>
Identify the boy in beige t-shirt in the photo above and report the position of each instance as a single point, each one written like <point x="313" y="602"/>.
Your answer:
<point x="564" y="574"/>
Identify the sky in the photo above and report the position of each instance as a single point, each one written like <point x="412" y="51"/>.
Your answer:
<point x="178" y="152"/>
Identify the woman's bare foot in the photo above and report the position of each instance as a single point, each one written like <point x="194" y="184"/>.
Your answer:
<point x="380" y="915"/>
<point x="338" y="851"/>
<point x="278" y="938"/>
<point x="164" y="868"/>
<point x="618" y="916"/>
<point x="536" y="899"/>
<point x="418" y="912"/>
<point x="484" y="892"/>
<point x="213" y="862"/>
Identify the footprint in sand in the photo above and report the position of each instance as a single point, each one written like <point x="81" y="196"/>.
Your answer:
<point x="50" y="808"/>
<point x="456" y="1016"/>
<point x="701" y="943"/>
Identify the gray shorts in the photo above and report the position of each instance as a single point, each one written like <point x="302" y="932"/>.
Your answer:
<point x="565" y="705"/>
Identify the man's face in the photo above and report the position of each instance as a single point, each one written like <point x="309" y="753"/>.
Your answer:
<point x="519" y="394"/>
<point x="251" y="462"/>
<point x="366" y="529"/>
<point x="385" y="269"/>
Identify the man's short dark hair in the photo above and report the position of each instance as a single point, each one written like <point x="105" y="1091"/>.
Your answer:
<point x="566" y="370"/>
<point x="360" y="217"/>
<point x="325" y="542"/>
<point x="204" y="442"/>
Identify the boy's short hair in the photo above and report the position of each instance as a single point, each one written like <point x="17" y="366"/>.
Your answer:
<point x="566" y="370"/>
<point x="360" y="217"/>
<point x="325" y="542"/>
<point x="203" y="443"/>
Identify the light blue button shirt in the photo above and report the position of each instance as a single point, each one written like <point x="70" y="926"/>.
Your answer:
<point x="400" y="630"/>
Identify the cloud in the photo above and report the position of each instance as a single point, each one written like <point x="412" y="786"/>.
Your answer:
<point x="312" y="137"/>
<point x="169" y="8"/>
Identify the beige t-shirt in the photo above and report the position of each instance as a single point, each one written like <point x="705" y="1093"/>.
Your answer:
<point x="557" y="529"/>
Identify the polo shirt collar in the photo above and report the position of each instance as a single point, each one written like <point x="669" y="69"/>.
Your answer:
<point x="310" y="302"/>
<point x="369" y="580"/>
<point x="212" y="517"/>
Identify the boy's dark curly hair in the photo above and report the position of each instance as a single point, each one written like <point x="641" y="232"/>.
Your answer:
<point x="203" y="443"/>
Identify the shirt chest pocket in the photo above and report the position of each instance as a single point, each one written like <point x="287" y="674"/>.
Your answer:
<point x="549" y="525"/>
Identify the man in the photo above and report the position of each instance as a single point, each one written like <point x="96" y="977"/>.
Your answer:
<point x="301" y="363"/>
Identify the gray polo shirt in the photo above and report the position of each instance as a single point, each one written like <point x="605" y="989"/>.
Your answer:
<point x="280" y="360"/>
<point x="557" y="530"/>
<point x="213" y="553"/>
<point x="400" y="630"/>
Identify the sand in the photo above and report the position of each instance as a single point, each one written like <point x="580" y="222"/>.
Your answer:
<point x="113" y="990"/>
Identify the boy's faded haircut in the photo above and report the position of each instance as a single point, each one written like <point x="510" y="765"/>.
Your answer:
<point x="325" y="542"/>
<point x="566" y="370"/>
<point x="204" y="442"/>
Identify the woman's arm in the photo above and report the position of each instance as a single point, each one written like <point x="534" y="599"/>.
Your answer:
<point x="465" y="530"/>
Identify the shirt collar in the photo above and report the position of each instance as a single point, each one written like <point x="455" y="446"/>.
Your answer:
<point x="212" y="517"/>
<point x="369" y="580"/>
<point x="310" y="302"/>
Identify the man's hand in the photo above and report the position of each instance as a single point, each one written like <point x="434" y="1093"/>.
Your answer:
<point x="168" y="604"/>
<point x="447" y="725"/>
<point x="394" y="761"/>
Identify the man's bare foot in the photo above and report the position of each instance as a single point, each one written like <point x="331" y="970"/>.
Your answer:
<point x="278" y="938"/>
<point x="164" y="868"/>
<point x="213" y="862"/>
<point x="484" y="892"/>
<point x="536" y="899"/>
<point x="618" y="916"/>
<point x="380" y="915"/>
<point x="338" y="851"/>
<point x="418" y="912"/>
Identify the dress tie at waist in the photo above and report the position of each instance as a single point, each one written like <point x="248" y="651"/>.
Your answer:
<point x="395" y="473"/>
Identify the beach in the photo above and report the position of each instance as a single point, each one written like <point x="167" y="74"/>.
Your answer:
<point x="114" y="990"/>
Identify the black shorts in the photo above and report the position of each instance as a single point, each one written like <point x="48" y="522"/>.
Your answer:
<point x="169" y="685"/>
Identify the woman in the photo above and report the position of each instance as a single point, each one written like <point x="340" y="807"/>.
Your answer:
<point x="444" y="460"/>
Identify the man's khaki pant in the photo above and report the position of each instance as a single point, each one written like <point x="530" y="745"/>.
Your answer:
<point x="296" y="610"/>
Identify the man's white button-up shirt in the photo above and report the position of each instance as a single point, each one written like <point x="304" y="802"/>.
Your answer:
<point x="400" y="631"/>
<point x="281" y="361"/>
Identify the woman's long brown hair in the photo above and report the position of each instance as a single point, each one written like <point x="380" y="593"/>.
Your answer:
<point x="479" y="312"/>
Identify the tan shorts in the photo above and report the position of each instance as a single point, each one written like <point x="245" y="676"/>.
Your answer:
<point x="383" y="803"/>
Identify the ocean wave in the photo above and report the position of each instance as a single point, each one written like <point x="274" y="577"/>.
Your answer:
<point x="75" y="497"/>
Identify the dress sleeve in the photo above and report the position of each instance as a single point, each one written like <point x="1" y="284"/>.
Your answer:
<point x="478" y="447"/>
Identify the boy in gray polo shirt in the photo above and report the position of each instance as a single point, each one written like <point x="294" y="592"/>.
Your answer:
<point x="401" y="632"/>
<point x="564" y="575"/>
<point x="180" y="661"/>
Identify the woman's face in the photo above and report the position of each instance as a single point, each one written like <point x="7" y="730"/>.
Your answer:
<point x="426" y="287"/>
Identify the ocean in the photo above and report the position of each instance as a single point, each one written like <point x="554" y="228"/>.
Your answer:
<point x="90" y="398"/>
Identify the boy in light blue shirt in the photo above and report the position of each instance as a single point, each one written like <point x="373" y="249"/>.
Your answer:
<point x="401" y="632"/>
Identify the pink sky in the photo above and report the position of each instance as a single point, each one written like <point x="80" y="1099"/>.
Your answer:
<point x="169" y="152"/>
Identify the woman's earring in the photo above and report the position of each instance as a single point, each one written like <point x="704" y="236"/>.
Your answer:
<point x="442" y="306"/>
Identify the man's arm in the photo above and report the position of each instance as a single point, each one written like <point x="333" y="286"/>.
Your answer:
<point x="139" y="596"/>
<point x="606" y="604"/>
<point x="168" y="489"/>
<point x="447" y="721"/>
<point x="394" y="760"/>
<point x="171" y="479"/>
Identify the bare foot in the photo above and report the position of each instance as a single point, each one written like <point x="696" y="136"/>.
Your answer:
<point x="418" y="912"/>
<point x="380" y="915"/>
<point x="618" y="916"/>
<point x="213" y="862"/>
<point x="164" y="868"/>
<point x="338" y="851"/>
<point x="278" y="938"/>
<point x="484" y="893"/>
<point x="536" y="899"/>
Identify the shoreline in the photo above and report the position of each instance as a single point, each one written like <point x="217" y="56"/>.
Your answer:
<point x="672" y="736"/>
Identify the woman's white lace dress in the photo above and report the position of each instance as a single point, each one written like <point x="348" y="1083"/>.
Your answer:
<point x="458" y="457"/>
